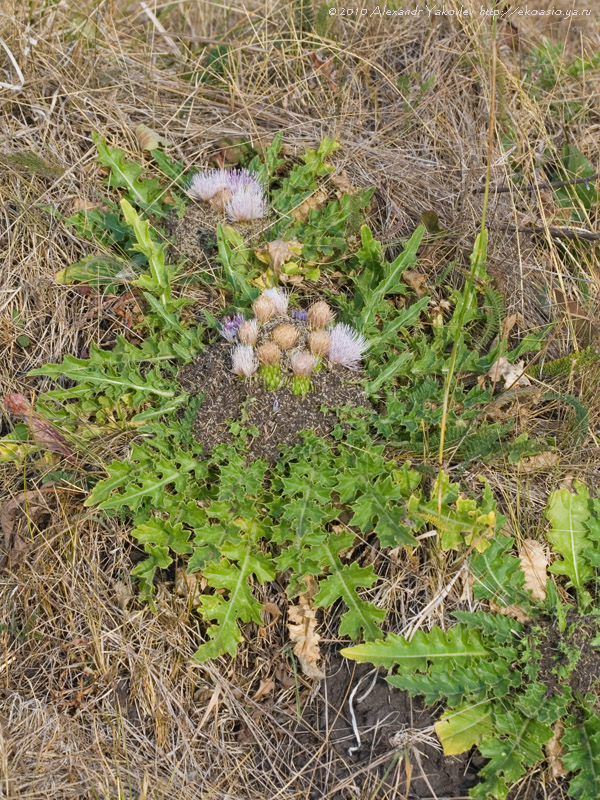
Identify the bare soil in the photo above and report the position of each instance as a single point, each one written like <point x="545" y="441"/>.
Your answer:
<point x="276" y="417"/>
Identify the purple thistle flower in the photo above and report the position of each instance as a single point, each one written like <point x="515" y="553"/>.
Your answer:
<point x="300" y="315"/>
<point x="246" y="203"/>
<point x="206" y="184"/>
<point x="238" y="179"/>
<point x="229" y="326"/>
<point x="347" y="346"/>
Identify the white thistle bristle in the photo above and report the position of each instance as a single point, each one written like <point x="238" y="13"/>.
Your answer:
<point x="347" y="346"/>
<point x="279" y="298"/>
<point x="243" y="361"/>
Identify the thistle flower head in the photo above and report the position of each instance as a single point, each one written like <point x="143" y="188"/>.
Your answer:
<point x="248" y="331"/>
<point x="243" y="361"/>
<point x="320" y="315"/>
<point x="300" y="315"/>
<point x="247" y="203"/>
<point x="303" y="363"/>
<point x="284" y="336"/>
<point x="263" y="308"/>
<point x="238" y="179"/>
<point x="229" y="326"/>
<point x="347" y="346"/>
<point x="279" y="298"/>
<point x="268" y="353"/>
<point x="206" y="184"/>
<point x="319" y="342"/>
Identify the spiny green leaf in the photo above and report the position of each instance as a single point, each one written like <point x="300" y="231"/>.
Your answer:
<point x="568" y="513"/>
<point x="459" y="644"/>
<point x="581" y="756"/>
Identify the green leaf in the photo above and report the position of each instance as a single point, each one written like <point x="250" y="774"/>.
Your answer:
<point x="124" y="174"/>
<point x="391" y="279"/>
<point x="237" y="603"/>
<point x="158" y="281"/>
<point x="459" y="644"/>
<point x="569" y="513"/>
<point x="462" y="728"/>
<point x="378" y="508"/>
<point x="342" y="583"/>
<point x="581" y="757"/>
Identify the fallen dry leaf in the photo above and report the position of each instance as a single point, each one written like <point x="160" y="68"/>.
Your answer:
<point x="278" y="252"/>
<point x="415" y="281"/>
<point x="266" y="687"/>
<point x="585" y="328"/>
<point x="534" y="563"/>
<point x="514" y="612"/>
<point x="147" y="138"/>
<point x="274" y="612"/>
<point x="341" y="181"/>
<point x="539" y="462"/>
<point x="316" y="200"/>
<point x="555" y="752"/>
<point x="512" y="374"/>
<point x="16" y="546"/>
<point x="302" y="627"/>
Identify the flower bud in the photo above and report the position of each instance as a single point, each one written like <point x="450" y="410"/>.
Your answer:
<point x="248" y="331"/>
<point x="263" y="308"/>
<point x="319" y="315"/>
<point x="303" y="363"/>
<point x="319" y="342"/>
<point x="284" y="336"/>
<point x="268" y="353"/>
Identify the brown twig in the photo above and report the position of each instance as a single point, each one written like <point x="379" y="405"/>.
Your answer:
<point x="556" y="233"/>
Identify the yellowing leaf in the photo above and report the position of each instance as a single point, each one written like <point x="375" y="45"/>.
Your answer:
<point x="534" y="563"/>
<point x="302" y="627"/>
<point x="459" y="729"/>
<point x="147" y="138"/>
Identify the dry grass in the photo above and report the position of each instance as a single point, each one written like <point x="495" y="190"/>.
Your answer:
<point x="97" y="696"/>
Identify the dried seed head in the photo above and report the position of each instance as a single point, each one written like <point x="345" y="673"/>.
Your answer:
<point x="248" y="331"/>
<point x="263" y="308"/>
<point x="319" y="342"/>
<point x="220" y="199"/>
<point x="347" y="346"/>
<point x="279" y="299"/>
<point x="285" y="336"/>
<point x="303" y="363"/>
<point x="268" y="353"/>
<point x="244" y="361"/>
<point x="319" y="315"/>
